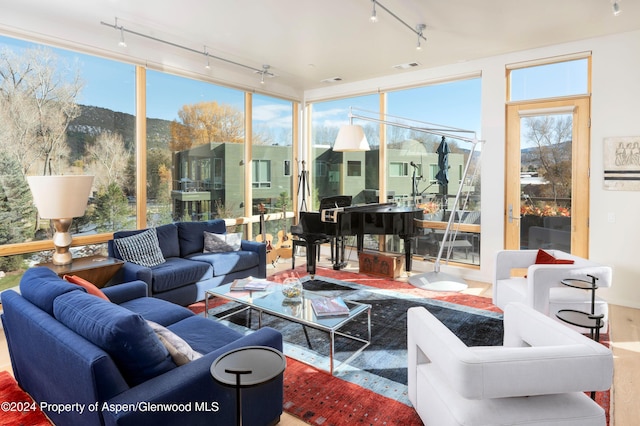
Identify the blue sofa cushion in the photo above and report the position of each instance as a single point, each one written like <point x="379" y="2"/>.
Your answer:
<point x="123" y="334"/>
<point x="41" y="286"/>
<point x="167" y="239"/>
<point x="177" y="272"/>
<point x="204" y="335"/>
<point x="142" y="248"/>
<point x="226" y="263"/>
<point x="191" y="234"/>
<point x="157" y="310"/>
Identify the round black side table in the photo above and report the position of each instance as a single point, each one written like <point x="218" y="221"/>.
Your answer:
<point x="246" y="367"/>
<point x="588" y="320"/>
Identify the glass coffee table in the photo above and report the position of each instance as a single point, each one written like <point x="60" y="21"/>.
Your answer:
<point x="272" y="302"/>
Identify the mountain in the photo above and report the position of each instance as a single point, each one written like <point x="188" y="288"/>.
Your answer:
<point x="94" y="120"/>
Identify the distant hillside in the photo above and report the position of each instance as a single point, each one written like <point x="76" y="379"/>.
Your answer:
<point x="94" y="120"/>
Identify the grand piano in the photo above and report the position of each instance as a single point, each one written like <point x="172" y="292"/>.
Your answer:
<point x="358" y="220"/>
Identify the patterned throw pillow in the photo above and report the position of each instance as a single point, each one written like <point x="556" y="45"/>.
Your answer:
<point x="142" y="248"/>
<point x="221" y="243"/>
<point x="181" y="352"/>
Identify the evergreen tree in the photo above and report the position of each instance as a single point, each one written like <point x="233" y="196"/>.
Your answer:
<point x="16" y="210"/>
<point x="111" y="209"/>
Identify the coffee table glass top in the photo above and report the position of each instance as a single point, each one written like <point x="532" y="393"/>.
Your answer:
<point x="298" y="309"/>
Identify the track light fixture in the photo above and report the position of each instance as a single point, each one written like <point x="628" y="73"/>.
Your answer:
<point x="208" y="66"/>
<point x="615" y="6"/>
<point x="418" y="30"/>
<point x="121" y="43"/>
<point x="374" y="15"/>
<point x="264" y="71"/>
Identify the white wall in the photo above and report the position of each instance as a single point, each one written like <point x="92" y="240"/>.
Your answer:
<point x="615" y="112"/>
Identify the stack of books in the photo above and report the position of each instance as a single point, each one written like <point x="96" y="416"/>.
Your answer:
<point x="329" y="307"/>
<point x="250" y="284"/>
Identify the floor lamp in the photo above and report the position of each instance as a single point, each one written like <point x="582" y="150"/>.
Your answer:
<point x="435" y="280"/>
<point x="60" y="199"/>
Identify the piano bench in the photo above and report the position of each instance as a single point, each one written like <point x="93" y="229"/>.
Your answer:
<point x="298" y="242"/>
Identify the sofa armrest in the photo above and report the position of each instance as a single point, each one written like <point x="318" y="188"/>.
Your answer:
<point x="261" y="249"/>
<point x="124" y="292"/>
<point x="192" y="384"/>
<point x="132" y="272"/>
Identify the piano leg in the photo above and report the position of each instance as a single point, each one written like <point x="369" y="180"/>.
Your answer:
<point x="407" y="252"/>
<point x="337" y="252"/>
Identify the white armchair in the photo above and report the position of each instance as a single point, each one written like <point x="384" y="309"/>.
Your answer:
<point x="541" y="288"/>
<point x="538" y="377"/>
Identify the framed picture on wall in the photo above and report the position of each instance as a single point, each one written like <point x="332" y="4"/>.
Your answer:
<point x="622" y="163"/>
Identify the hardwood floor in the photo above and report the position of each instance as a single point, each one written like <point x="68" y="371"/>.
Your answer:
<point x="625" y="341"/>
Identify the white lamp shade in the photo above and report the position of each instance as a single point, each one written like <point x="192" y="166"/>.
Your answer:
<point x="351" y="137"/>
<point x="60" y="197"/>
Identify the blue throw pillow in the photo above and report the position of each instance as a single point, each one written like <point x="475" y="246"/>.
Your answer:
<point x="123" y="334"/>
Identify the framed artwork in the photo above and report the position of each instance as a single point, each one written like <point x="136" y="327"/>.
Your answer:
<point x="622" y="163"/>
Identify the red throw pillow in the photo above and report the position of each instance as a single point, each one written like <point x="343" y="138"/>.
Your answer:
<point x="90" y="287"/>
<point x="544" y="258"/>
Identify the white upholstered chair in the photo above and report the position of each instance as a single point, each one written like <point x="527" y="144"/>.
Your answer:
<point x="539" y="376"/>
<point x="542" y="288"/>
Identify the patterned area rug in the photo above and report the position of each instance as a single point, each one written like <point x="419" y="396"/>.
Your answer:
<point x="320" y="399"/>
<point x="361" y="391"/>
<point x="20" y="408"/>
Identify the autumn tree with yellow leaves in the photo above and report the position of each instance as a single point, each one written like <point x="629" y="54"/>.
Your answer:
<point x="206" y="122"/>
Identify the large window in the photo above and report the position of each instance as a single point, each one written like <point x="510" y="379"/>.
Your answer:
<point x="195" y="142"/>
<point x="195" y="146"/>
<point x="441" y="106"/>
<point x="84" y="125"/>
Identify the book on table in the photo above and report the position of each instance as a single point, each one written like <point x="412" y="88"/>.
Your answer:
<point x="250" y="283"/>
<point x="329" y="307"/>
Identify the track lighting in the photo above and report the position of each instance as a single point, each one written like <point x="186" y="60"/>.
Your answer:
<point x="615" y="6"/>
<point x="374" y="15"/>
<point x="208" y="66"/>
<point x="264" y="71"/>
<point x="417" y="30"/>
<point x="121" y="43"/>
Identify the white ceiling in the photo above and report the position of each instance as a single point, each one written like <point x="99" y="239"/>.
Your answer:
<point x="307" y="41"/>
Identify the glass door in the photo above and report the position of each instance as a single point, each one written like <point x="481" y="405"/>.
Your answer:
<point x="547" y="181"/>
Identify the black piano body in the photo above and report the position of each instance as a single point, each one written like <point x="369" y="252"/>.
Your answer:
<point x="374" y="219"/>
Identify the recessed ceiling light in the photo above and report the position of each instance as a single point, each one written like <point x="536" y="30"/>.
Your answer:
<point x="331" y="80"/>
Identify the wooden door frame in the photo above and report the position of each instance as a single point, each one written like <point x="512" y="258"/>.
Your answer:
<point x="581" y="146"/>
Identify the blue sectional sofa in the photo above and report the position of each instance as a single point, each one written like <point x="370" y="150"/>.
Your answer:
<point x="102" y="358"/>
<point x="187" y="272"/>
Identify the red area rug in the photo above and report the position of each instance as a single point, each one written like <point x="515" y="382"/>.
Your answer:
<point x="17" y="406"/>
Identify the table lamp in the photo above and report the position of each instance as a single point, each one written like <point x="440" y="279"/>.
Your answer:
<point x="60" y="199"/>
